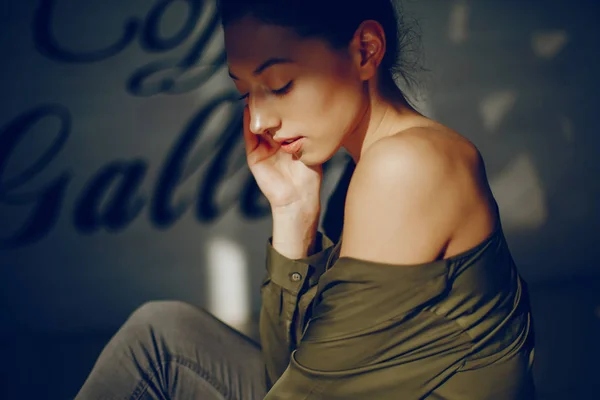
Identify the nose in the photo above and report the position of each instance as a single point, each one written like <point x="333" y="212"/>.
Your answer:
<point x="263" y="116"/>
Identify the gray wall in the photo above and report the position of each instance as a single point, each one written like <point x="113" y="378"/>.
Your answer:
<point x="120" y="184"/>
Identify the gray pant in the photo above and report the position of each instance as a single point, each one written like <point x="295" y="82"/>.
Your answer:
<point x="171" y="350"/>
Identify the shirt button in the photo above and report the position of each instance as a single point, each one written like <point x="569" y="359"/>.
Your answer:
<point x="296" y="277"/>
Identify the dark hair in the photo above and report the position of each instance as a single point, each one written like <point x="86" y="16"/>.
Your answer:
<point x="336" y="21"/>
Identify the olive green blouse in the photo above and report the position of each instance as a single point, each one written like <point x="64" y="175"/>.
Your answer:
<point x="341" y="328"/>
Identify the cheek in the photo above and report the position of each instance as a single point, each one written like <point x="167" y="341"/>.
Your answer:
<point x="344" y="102"/>
<point x="328" y="98"/>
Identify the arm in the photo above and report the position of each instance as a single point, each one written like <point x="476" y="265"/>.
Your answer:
<point x="294" y="253"/>
<point x="371" y="334"/>
<point x="280" y="293"/>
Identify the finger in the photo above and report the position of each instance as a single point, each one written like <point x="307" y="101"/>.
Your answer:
<point x="270" y="141"/>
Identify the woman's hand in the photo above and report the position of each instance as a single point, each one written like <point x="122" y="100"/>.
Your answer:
<point x="289" y="185"/>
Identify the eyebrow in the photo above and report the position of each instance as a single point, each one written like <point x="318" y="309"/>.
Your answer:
<point x="262" y="67"/>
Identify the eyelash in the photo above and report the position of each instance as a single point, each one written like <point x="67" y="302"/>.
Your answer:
<point x="277" y="92"/>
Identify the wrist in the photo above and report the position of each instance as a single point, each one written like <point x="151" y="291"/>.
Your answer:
<point x="294" y="234"/>
<point x="301" y="210"/>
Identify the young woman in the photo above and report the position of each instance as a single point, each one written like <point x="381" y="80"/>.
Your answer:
<point x="420" y="298"/>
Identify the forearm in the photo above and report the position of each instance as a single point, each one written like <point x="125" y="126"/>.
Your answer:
<point x="294" y="232"/>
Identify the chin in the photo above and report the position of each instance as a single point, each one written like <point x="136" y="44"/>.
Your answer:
<point x="312" y="159"/>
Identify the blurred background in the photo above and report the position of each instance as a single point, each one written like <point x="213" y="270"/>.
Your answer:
<point x="123" y="178"/>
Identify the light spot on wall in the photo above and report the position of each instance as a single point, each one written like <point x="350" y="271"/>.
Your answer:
<point x="520" y="196"/>
<point x="458" y="27"/>
<point x="549" y="43"/>
<point x="495" y="107"/>
<point x="227" y="282"/>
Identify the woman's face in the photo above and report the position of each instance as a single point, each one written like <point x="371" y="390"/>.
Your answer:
<point x="295" y="87"/>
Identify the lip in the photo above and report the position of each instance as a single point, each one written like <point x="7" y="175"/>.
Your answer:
<point x="293" y="147"/>
<point x="281" y="140"/>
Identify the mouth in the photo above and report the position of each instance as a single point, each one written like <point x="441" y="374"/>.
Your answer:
<point x="292" y="146"/>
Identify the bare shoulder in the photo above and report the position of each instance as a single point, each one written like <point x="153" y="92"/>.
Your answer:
<point x="411" y="196"/>
<point x="432" y="161"/>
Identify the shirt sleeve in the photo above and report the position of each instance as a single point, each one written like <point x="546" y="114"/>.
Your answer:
<point x="372" y="335"/>
<point x="283" y="285"/>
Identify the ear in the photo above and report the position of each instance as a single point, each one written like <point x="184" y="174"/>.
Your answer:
<point x="368" y="48"/>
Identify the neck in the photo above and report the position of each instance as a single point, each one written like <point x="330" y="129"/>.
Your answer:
<point x="382" y="117"/>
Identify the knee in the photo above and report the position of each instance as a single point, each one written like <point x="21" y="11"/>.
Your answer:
<point x="151" y="332"/>
<point x="163" y="321"/>
<point x="160" y="313"/>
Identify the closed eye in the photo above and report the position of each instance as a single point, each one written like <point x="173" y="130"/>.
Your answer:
<point x="277" y="92"/>
<point x="283" y="90"/>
